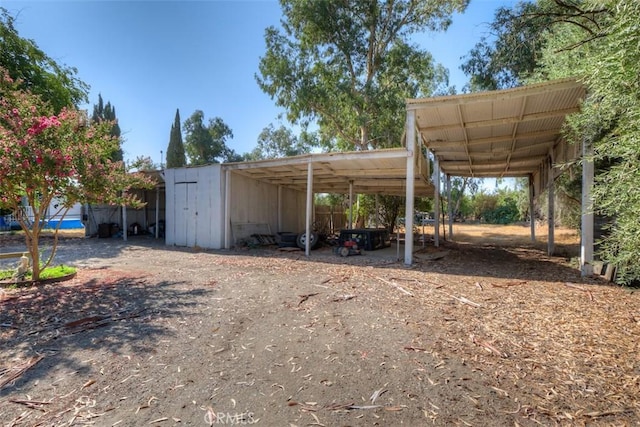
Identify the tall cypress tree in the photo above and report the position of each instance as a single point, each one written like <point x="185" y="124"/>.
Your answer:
<point x="175" y="152"/>
<point x="102" y="112"/>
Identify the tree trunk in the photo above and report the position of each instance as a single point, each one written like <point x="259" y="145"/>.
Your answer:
<point x="364" y="137"/>
<point x="456" y="210"/>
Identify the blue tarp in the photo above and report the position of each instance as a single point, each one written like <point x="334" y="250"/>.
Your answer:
<point x="67" y="224"/>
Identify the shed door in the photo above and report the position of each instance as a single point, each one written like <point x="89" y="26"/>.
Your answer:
<point x="186" y="214"/>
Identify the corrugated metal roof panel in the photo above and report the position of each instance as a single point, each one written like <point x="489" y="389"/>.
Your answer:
<point x="501" y="133"/>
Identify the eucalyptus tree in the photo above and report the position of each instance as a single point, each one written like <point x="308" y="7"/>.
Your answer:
<point x="281" y="142"/>
<point x="349" y="65"/>
<point x="205" y="144"/>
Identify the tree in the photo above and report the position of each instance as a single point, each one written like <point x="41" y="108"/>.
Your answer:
<point x="349" y="66"/>
<point x="610" y="118"/>
<point x="597" y="42"/>
<point x="459" y="185"/>
<point x="34" y="70"/>
<point x="511" y="54"/>
<point x="276" y="143"/>
<point x="143" y="164"/>
<point x="497" y="208"/>
<point x="519" y="40"/>
<point x="207" y="144"/>
<point x="47" y="156"/>
<point x="107" y="113"/>
<point x="175" y="151"/>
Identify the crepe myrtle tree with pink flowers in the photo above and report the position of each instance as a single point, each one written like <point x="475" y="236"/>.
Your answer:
<point x="45" y="156"/>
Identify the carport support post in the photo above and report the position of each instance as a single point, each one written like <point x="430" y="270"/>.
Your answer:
<point x="449" y="207"/>
<point x="307" y="242"/>
<point x="551" y="208"/>
<point x="410" y="127"/>
<point x="436" y="201"/>
<point x="532" y="210"/>
<point x="227" y="209"/>
<point x="124" y="223"/>
<point x="280" y="208"/>
<point x="156" y="228"/>
<point x="586" y="241"/>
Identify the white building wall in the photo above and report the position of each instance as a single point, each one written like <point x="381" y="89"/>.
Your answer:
<point x="194" y="210"/>
<point x="293" y="211"/>
<point x="257" y="202"/>
<point x="195" y="198"/>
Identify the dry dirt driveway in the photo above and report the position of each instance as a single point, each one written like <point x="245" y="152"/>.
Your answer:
<point x="148" y="335"/>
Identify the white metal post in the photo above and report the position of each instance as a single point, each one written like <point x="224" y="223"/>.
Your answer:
<point x="410" y="127"/>
<point x="450" y="207"/>
<point x="280" y="203"/>
<point x="532" y="209"/>
<point x="551" y="208"/>
<point x="307" y="244"/>
<point x="157" y="227"/>
<point x="124" y="223"/>
<point x="436" y="201"/>
<point x="227" y="209"/>
<point x="586" y="241"/>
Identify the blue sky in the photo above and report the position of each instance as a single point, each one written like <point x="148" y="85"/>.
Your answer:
<point x="150" y="57"/>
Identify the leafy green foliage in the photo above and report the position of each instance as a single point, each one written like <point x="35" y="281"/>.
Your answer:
<point x="497" y="208"/>
<point x="281" y="142"/>
<point x="614" y="110"/>
<point x="595" y="41"/>
<point x="511" y="54"/>
<point x="142" y="164"/>
<point x="600" y="45"/>
<point x="176" y="157"/>
<point x="47" y="156"/>
<point x="34" y="70"/>
<point x="348" y="66"/>
<point x="207" y="144"/>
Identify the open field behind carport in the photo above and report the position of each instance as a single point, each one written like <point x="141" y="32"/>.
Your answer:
<point x="481" y="334"/>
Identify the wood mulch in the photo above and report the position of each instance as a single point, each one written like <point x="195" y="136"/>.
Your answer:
<point x="469" y="335"/>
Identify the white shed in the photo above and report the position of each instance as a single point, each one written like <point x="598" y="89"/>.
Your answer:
<point x="202" y="211"/>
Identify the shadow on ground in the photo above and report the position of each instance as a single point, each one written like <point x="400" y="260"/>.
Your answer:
<point x="99" y="310"/>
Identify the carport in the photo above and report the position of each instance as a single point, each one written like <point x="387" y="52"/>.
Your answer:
<point x="506" y="133"/>
<point x="395" y="171"/>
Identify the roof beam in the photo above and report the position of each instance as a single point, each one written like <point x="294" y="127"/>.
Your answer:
<point x="437" y="144"/>
<point x="514" y="133"/>
<point x="334" y="158"/>
<point x="466" y="138"/>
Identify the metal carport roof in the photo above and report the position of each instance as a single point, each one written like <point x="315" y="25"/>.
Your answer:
<point x="507" y="133"/>
<point x="368" y="172"/>
<point x="504" y="133"/>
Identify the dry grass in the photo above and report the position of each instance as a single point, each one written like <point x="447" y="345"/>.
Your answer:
<point x="511" y="235"/>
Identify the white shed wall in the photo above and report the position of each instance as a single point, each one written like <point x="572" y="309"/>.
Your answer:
<point x="194" y="208"/>
<point x="257" y="202"/>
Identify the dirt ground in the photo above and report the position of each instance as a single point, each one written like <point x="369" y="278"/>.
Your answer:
<point x="486" y="330"/>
